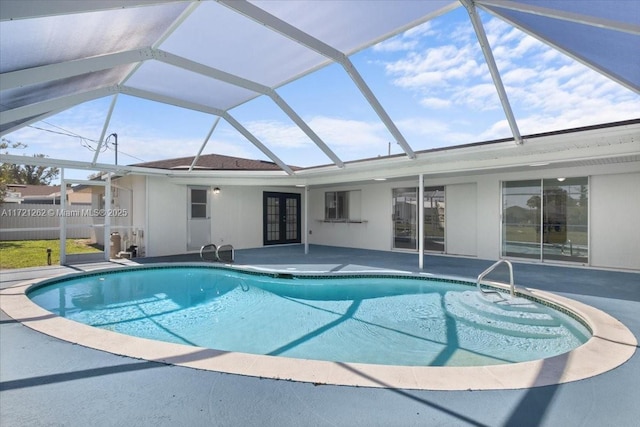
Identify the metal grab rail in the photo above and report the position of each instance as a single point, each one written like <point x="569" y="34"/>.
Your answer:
<point x="489" y="270"/>
<point x="222" y="253"/>
<point x="209" y="249"/>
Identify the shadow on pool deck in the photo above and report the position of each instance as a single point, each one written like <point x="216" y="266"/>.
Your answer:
<point x="45" y="381"/>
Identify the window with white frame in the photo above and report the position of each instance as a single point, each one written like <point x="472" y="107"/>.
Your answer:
<point x="342" y="206"/>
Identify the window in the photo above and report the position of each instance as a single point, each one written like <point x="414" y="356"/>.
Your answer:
<point x="546" y="219"/>
<point x="198" y="203"/>
<point x="336" y="205"/>
<point x="343" y="206"/>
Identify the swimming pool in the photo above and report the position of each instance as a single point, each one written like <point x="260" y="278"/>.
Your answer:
<point x="373" y="319"/>
<point x="610" y="345"/>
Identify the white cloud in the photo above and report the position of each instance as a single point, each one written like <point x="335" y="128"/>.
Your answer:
<point x="278" y="134"/>
<point x="436" y="66"/>
<point x="479" y="97"/>
<point x="396" y="44"/>
<point x="435" y="103"/>
<point x="348" y="134"/>
<point x="406" y="41"/>
<point x="421" y="126"/>
<point x="518" y="76"/>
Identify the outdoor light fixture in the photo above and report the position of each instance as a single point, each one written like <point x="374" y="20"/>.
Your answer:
<point x="216" y="190"/>
<point x="561" y="179"/>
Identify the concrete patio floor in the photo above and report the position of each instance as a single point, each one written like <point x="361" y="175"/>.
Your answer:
<point x="46" y="381"/>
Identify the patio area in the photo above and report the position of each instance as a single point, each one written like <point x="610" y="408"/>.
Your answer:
<point x="46" y="381"/>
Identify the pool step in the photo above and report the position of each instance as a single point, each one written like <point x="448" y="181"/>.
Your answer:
<point x="516" y="310"/>
<point x="469" y="308"/>
<point x="504" y="301"/>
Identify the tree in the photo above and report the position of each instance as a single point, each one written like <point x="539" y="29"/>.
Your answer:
<point x="11" y="173"/>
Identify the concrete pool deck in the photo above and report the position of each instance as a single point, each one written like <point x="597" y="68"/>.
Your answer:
<point x="40" y="375"/>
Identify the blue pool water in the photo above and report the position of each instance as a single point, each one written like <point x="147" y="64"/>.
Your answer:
<point x="380" y="320"/>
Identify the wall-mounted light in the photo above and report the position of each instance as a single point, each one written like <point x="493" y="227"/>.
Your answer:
<point x="216" y="190"/>
<point x="561" y="179"/>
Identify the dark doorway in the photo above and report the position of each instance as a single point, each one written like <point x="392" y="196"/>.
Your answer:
<point x="281" y="218"/>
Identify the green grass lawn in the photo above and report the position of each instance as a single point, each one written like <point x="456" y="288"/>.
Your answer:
<point x="33" y="253"/>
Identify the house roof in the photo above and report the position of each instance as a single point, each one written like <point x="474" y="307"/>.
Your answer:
<point x="221" y="54"/>
<point x="214" y="162"/>
<point x="27" y="190"/>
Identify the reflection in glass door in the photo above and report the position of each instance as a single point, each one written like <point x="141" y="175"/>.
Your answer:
<point x="565" y="219"/>
<point x="546" y="219"/>
<point x="405" y="209"/>
<point x="521" y="205"/>
<point x="434" y="215"/>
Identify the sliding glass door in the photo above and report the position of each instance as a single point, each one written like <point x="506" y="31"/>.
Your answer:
<point x="434" y="219"/>
<point x="521" y="219"/>
<point x="565" y="219"/>
<point x="405" y="214"/>
<point x="546" y="219"/>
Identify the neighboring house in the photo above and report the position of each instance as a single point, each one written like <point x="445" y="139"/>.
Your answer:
<point x="43" y="194"/>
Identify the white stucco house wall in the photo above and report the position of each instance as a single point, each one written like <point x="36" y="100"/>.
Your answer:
<point x="606" y="159"/>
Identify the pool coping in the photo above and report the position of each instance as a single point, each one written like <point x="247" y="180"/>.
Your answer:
<point x="611" y="345"/>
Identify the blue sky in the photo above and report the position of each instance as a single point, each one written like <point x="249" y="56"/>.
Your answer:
<point x="432" y="80"/>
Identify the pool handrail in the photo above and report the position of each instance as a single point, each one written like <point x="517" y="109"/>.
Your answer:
<point x="481" y="276"/>
<point x="211" y="246"/>
<point x="216" y="251"/>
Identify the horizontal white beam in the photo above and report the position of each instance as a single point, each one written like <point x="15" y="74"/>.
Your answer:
<point x="22" y="124"/>
<point x="196" y="67"/>
<point x="261" y="16"/>
<point x="21" y="9"/>
<point x="607" y="148"/>
<point x="140" y="93"/>
<point x="562" y="15"/>
<point x="47" y="73"/>
<point x="138" y="170"/>
<point x="57" y="104"/>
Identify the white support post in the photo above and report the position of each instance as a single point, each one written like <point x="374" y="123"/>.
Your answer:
<point x="306" y="220"/>
<point x="63" y="218"/>
<point x="421" y="221"/>
<point x="107" y="218"/>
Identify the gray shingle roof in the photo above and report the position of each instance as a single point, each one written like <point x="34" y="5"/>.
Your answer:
<point x="214" y="162"/>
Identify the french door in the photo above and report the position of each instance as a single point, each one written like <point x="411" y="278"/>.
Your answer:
<point x="281" y="218"/>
